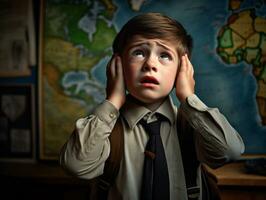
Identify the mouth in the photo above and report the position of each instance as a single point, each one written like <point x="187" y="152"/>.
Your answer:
<point x="149" y="80"/>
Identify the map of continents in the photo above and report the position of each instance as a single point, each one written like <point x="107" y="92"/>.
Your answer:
<point x="243" y="38"/>
<point x="77" y="35"/>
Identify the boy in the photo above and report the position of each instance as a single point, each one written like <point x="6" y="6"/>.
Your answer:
<point x="150" y="59"/>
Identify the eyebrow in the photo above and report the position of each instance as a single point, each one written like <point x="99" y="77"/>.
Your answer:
<point x="141" y="43"/>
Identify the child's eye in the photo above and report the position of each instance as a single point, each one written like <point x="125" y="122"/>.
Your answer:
<point x="138" y="53"/>
<point x="165" y="56"/>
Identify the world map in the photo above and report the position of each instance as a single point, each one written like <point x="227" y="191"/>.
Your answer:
<point x="229" y="58"/>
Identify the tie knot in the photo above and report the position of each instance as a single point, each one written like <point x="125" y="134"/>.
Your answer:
<point x="152" y="128"/>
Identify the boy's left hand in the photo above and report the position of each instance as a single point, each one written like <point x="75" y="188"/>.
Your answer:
<point x="185" y="83"/>
<point x="115" y="90"/>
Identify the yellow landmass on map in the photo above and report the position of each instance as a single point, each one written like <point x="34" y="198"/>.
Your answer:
<point x="253" y="41"/>
<point x="62" y="113"/>
<point x="260" y="24"/>
<point x="251" y="55"/>
<point x="52" y="76"/>
<point x="238" y="41"/>
<point x="261" y="88"/>
<point x="66" y="57"/>
<point x="62" y="54"/>
<point x="232" y="59"/>
<point x="243" y="25"/>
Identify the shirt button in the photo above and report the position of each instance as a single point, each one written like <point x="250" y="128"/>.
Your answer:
<point x="112" y="115"/>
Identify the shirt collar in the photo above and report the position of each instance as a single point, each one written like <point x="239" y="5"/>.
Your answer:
<point x="133" y="111"/>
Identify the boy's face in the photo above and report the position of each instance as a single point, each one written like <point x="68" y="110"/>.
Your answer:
<point x="150" y="67"/>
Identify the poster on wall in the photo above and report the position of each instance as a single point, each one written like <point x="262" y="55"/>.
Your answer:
<point x="17" y="38"/>
<point x="17" y="125"/>
<point x="228" y="58"/>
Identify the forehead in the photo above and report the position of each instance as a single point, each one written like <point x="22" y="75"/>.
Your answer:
<point x="138" y="40"/>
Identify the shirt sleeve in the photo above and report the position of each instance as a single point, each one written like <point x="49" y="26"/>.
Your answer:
<point x="216" y="141"/>
<point x="88" y="147"/>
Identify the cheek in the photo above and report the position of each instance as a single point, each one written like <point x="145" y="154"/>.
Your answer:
<point x="172" y="70"/>
<point x="171" y="77"/>
<point x="129" y="75"/>
<point x="130" y="68"/>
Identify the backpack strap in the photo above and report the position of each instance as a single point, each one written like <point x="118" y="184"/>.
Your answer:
<point x="103" y="183"/>
<point x="189" y="157"/>
<point x="210" y="190"/>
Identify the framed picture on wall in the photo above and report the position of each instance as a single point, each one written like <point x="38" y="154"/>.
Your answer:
<point x="17" y="123"/>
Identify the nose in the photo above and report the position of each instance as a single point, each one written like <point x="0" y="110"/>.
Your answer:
<point x="150" y="64"/>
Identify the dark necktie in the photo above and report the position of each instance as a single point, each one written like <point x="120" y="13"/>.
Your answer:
<point x="155" y="180"/>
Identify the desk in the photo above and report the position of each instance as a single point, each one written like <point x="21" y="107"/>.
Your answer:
<point x="236" y="184"/>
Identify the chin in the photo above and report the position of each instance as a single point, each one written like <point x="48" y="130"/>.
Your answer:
<point x="149" y="99"/>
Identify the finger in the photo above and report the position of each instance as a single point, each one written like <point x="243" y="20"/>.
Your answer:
<point x="187" y="63"/>
<point x="120" y="73"/>
<point x="183" y="66"/>
<point x="190" y="66"/>
<point x="108" y="67"/>
<point x="119" y="70"/>
<point x="113" y="67"/>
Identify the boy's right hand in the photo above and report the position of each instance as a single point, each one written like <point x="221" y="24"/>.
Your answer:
<point x="115" y="90"/>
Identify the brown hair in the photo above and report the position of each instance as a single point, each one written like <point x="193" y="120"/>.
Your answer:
<point x="154" y="25"/>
